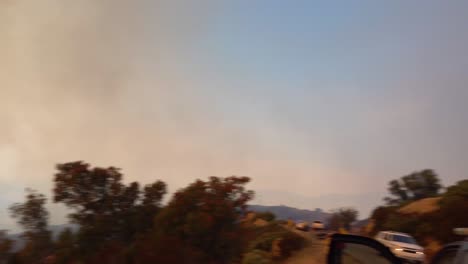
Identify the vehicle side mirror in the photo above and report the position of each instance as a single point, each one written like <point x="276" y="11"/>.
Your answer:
<point x="350" y="249"/>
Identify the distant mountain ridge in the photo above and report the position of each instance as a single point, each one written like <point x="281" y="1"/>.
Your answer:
<point x="283" y="212"/>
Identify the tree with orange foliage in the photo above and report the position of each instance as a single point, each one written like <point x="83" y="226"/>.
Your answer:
<point x="205" y="218"/>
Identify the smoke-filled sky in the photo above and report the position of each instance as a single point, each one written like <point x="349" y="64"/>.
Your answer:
<point x="321" y="103"/>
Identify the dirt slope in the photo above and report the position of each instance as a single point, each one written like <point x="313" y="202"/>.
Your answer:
<point x="422" y="206"/>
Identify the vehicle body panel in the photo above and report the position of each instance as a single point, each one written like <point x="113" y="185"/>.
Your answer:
<point x="407" y="251"/>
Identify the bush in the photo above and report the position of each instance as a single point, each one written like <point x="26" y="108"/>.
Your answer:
<point x="290" y="242"/>
<point x="257" y="231"/>
<point x="291" y="223"/>
<point x="256" y="257"/>
<point x="265" y="241"/>
<point x="267" y="216"/>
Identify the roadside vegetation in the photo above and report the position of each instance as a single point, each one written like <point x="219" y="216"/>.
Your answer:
<point x="342" y="218"/>
<point x="418" y="205"/>
<point x="205" y="222"/>
<point x="269" y="241"/>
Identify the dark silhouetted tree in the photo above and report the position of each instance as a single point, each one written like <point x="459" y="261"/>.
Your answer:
<point x="65" y="246"/>
<point x="397" y="189"/>
<point x="437" y="224"/>
<point x="456" y="192"/>
<point x="205" y="217"/>
<point x="105" y="208"/>
<point x="417" y="185"/>
<point x="453" y="212"/>
<point x="380" y="216"/>
<point x="6" y="245"/>
<point x="342" y="218"/>
<point x="33" y="218"/>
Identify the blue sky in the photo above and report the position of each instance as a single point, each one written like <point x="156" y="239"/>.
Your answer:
<point x="320" y="102"/>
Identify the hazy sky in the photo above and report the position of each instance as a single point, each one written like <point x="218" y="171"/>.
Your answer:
<point x="320" y="102"/>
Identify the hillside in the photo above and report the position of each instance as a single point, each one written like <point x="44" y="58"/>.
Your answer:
<point x="422" y="206"/>
<point x="285" y="212"/>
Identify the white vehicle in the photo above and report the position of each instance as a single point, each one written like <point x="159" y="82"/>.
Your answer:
<point x="319" y="229"/>
<point x="318" y="225"/>
<point x="302" y="225"/>
<point x="402" y="245"/>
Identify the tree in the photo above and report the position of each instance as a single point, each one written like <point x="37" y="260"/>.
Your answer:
<point x="65" y="246"/>
<point x="206" y="216"/>
<point x="452" y="214"/>
<point x="140" y="218"/>
<point x="32" y="215"/>
<point x="397" y="189"/>
<point x="6" y="245"/>
<point x="151" y="203"/>
<point x="104" y="207"/>
<point x="437" y="224"/>
<point x="33" y="218"/>
<point x="414" y="186"/>
<point x="456" y="192"/>
<point x="342" y="218"/>
<point x="380" y="217"/>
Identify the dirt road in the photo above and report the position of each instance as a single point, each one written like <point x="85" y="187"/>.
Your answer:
<point x="314" y="253"/>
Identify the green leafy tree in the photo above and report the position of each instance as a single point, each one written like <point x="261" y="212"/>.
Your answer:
<point x="33" y="218"/>
<point x="206" y="216"/>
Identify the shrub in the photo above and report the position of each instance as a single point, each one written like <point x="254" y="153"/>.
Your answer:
<point x="265" y="241"/>
<point x="291" y="223"/>
<point x="290" y="242"/>
<point x="267" y="216"/>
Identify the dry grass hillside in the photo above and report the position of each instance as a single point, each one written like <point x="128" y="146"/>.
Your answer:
<point x="423" y="206"/>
